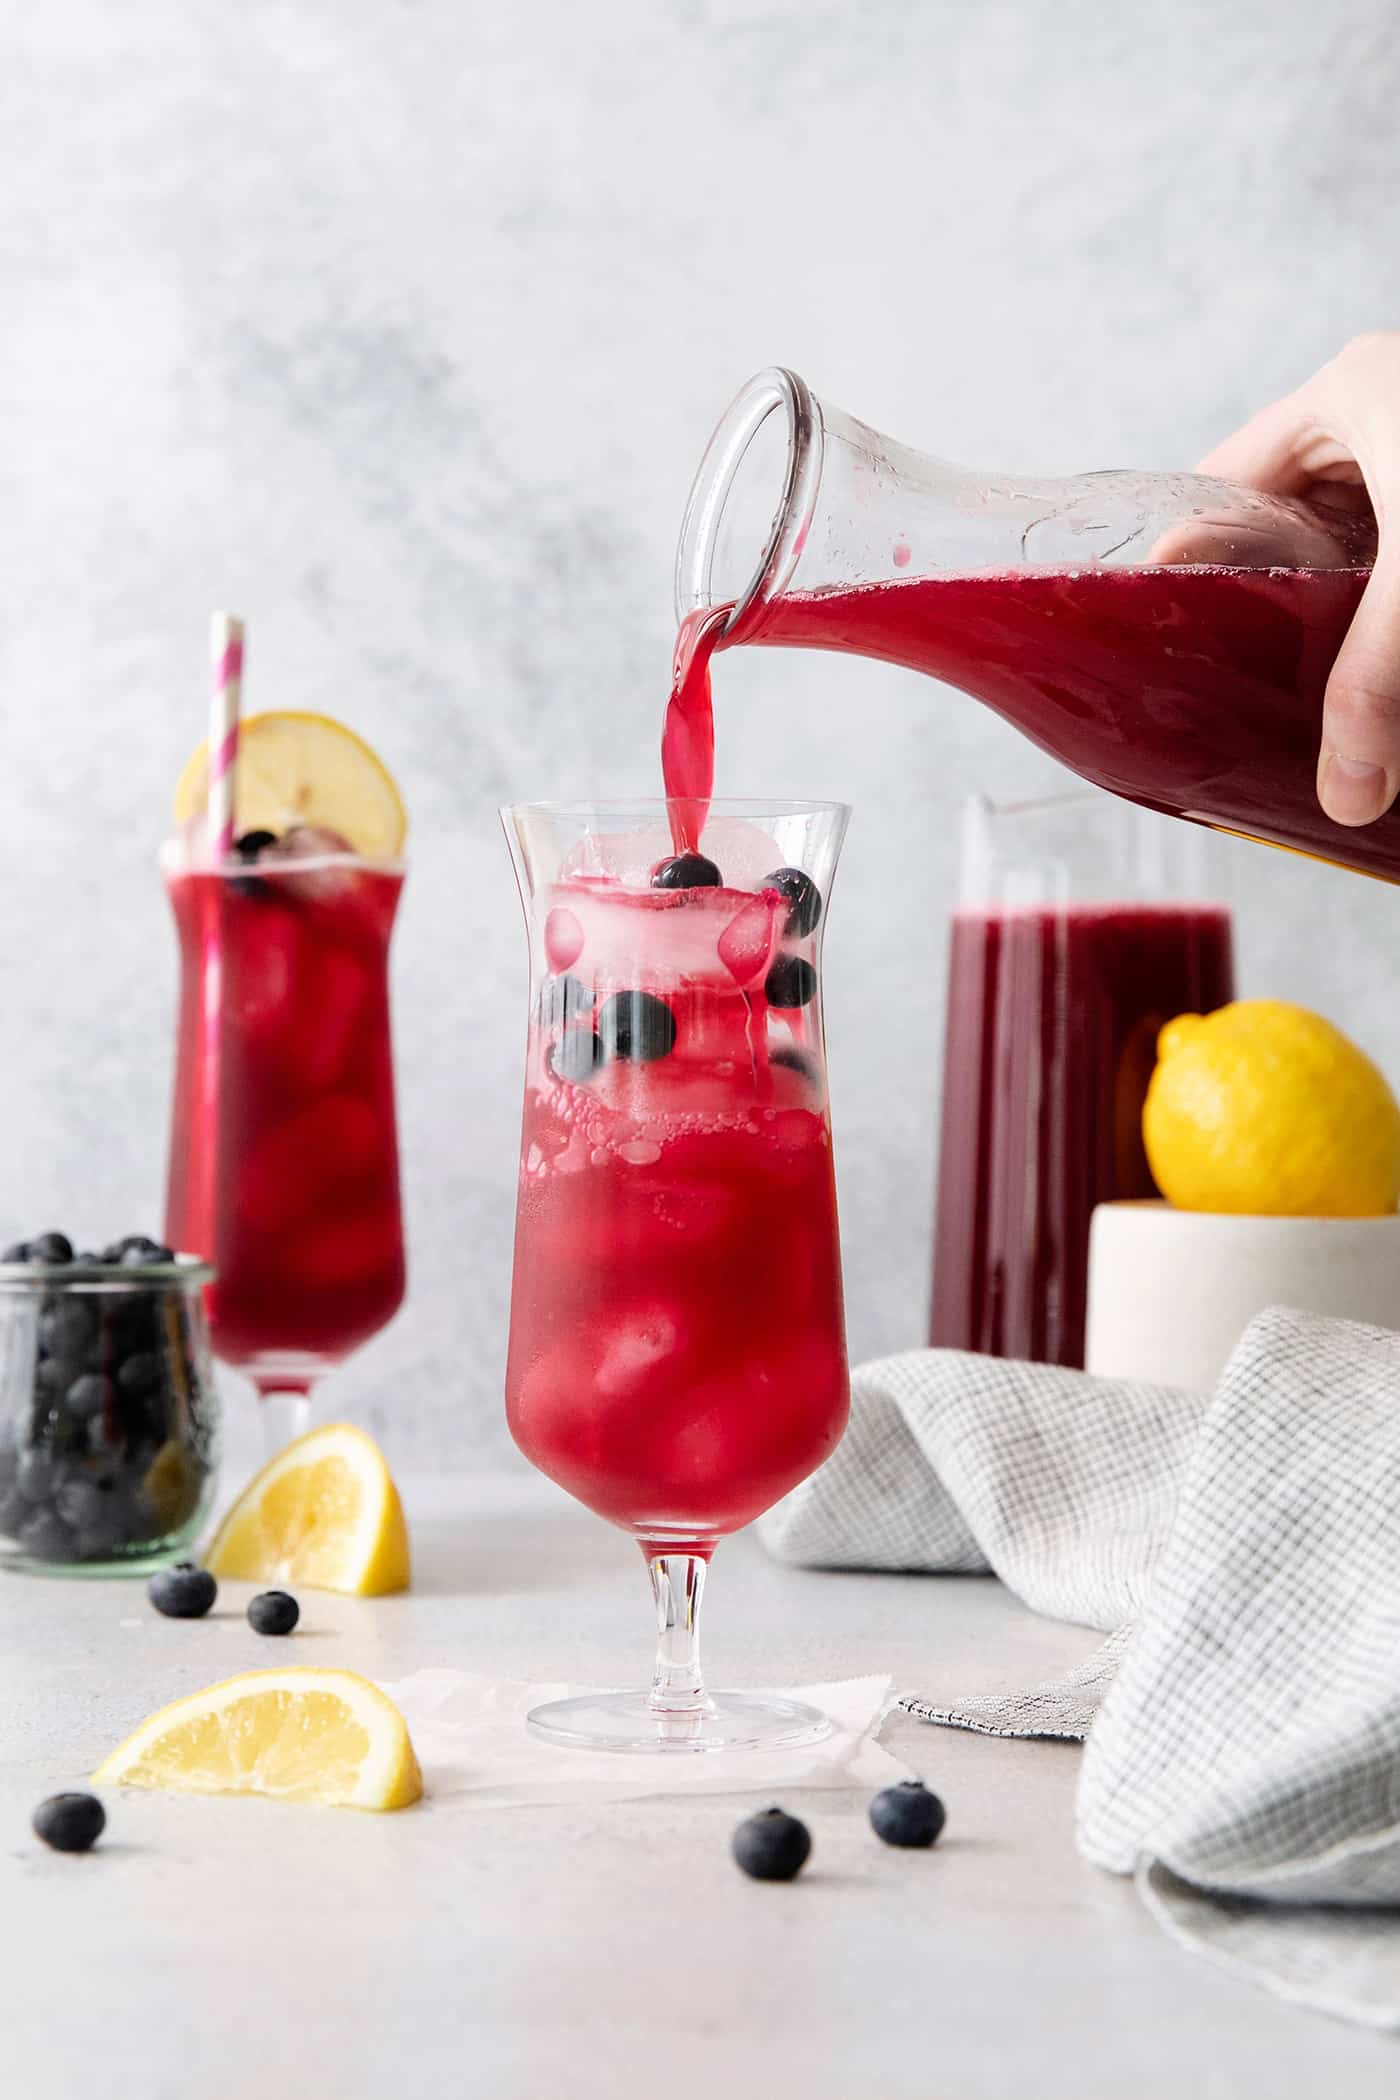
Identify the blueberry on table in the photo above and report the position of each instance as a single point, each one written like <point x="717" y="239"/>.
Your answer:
<point x="803" y="896"/>
<point x="273" y="1612"/>
<point x="182" y="1592"/>
<point x="686" y="871"/>
<point x="772" y="1846"/>
<point x="52" y="1247"/>
<point x="907" y="1814"/>
<point x="575" y="1055"/>
<point x="18" y="1250"/>
<point x="637" y="1026"/>
<point x="563" y="1000"/>
<point x="69" y="1822"/>
<point x="791" y="982"/>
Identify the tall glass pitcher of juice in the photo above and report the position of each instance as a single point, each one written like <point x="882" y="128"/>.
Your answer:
<point x="1082" y="926"/>
<point x="1167" y="636"/>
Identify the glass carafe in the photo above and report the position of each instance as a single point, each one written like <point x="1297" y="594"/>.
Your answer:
<point x="1167" y="636"/>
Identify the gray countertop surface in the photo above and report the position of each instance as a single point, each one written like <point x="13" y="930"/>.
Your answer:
<point x="230" y="1949"/>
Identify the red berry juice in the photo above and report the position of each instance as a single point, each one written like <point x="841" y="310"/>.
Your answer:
<point x="677" y="1345"/>
<point x="284" y="1160"/>
<point x="1193" y="690"/>
<point x="1052" y="1026"/>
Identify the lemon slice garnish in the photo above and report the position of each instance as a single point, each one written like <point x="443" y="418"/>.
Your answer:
<point x="305" y="769"/>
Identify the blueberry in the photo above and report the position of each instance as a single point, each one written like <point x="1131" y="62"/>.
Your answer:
<point x="139" y="1373"/>
<point x="907" y="1814"/>
<point x="574" y="1056"/>
<point x="182" y="1592"/>
<point x="637" y="1026"/>
<point x="52" y="1247"/>
<point x="88" y="1396"/>
<point x="137" y="1251"/>
<point x="35" y="1475"/>
<point x="251" y="844"/>
<point x="772" y="1846"/>
<point x="563" y="1000"/>
<point x="45" y="1536"/>
<point x="69" y="1822"/>
<point x="686" y="871"/>
<point x="802" y="894"/>
<point x="18" y="1250"/>
<point x="81" y="1504"/>
<point x="67" y="1328"/>
<point x="273" y="1612"/>
<point x="794" y="1060"/>
<point x="791" y="981"/>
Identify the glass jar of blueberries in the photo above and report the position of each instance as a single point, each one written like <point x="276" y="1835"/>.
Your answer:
<point x="108" y="1414"/>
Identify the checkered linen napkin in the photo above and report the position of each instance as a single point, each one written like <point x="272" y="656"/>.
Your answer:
<point x="1243" y="1722"/>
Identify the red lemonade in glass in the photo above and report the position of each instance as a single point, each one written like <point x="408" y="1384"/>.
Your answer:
<point x="677" y="1342"/>
<point x="284" y="1160"/>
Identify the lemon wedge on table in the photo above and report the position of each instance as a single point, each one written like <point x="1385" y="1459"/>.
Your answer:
<point x="324" y="1513"/>
<point x="321" y="1736"/>
<point x="1265" y="1109"/>
<point x="305" y="769"/>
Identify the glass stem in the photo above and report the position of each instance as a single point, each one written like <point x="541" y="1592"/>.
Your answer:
<point x="678" y="1585"/>
<point x="286" y="1415"/>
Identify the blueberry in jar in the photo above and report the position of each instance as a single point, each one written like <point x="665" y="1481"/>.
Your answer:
<point x="803" y="896"/>
<point x="251" y="844"/>
<point x="791" y="982"/>
<point x="88" y="1396"/>
<point x="636" y="1026"/>
<point x="686" y="871"/>
<point x="55" y="1249"/>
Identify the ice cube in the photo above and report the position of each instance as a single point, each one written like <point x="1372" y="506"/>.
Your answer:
<point x="307" y="842"/>
<point x="309" y="861"/>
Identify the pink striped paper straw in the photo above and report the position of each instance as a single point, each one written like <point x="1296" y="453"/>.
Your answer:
<point x="225" y="699"/>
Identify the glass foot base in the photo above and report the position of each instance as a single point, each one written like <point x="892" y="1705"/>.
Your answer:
<point x="724" y="1721"/>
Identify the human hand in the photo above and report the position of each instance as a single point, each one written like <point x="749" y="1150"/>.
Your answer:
<point x="1342" y="428"/>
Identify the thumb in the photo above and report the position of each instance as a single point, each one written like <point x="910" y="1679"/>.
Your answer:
<point x="1358" y="770"/>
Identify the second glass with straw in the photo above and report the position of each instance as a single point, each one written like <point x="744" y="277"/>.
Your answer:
<point x="284" y="882"/>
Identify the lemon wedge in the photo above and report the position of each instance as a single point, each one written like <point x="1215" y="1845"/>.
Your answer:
<point x="305" y="769"/>
<point x="324" y="1513"/>
<point x="322" y="1736"/>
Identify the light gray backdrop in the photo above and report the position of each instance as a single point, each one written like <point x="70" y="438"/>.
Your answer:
<point x="398" y="325"/>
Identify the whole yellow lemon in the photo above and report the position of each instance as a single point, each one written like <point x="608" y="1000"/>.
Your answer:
<point x="1265" y="1109"/>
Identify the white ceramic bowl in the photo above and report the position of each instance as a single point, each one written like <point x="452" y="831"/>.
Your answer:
<point x="1171" y="1291"/>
